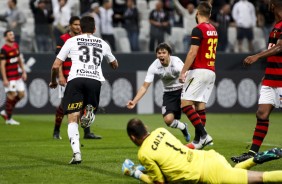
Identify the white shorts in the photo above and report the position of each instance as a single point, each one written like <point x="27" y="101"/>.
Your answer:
<point x="61" y="91"/>
<point x="271" y="95"/>
<point x="198" y="85"/>
<point x="15" y="85"/>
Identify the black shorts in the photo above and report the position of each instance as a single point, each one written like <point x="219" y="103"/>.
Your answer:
<point x="80" y="92"/>
<point x="171" y="103"/>
<point x="245" y="33"/>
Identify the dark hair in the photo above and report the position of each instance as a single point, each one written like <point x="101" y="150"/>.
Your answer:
<point x="6" y="32"/>
<point x="14" y="1"/>
<point x="87" y="24"/>
<point x="164" y="46"/>
<point x="73" y="19"/>
<point x="204" y="8"/>
<point x="136" y="128"/>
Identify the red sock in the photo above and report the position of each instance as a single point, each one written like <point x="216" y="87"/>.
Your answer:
<point x="195" y="119"/>
<point x="259" y="134"/>
<point x="10" y="105"/>
<point x="202" y="114"/>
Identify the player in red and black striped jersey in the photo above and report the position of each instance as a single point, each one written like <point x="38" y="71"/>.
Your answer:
<point x="12" y="79"/>
<point x="74" y="29"/>
<point x="199" y="82"/>
<point x="271" y="90"/>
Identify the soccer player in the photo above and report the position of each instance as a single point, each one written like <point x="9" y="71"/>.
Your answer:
<point x="167" y="160"/>
<point x="200" y="62"/>
<point x="12" y="80"/>
<point x="74" y="30"/>
<point x="168" y="68"/>
<point x="271" y="89"/>
<point x="84" y="81"/>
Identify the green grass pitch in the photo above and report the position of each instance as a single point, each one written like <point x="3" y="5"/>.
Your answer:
<point x="28" y="153"/>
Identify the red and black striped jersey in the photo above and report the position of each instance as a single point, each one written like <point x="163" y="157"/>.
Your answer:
<point x="273" y="71"/>
<point x="205" y="36"/>
<point x="67" y="63"/>
<point x="11" y="55"/>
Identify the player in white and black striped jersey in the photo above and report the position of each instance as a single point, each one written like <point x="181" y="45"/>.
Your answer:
<point x="84" y="82"/>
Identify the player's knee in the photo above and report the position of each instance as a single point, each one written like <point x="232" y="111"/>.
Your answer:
<point x="168" y="121"/>
<point x="21" y="95"/>
<point x="11" y="95"/>
<point x="262" y="115"/>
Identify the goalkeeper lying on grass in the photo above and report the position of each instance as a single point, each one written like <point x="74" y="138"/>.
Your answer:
<point x="167" y="160"/>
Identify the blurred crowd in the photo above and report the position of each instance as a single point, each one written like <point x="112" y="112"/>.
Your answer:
<point x="145" y="22"/>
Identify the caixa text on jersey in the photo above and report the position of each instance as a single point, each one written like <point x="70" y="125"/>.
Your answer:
<point x="83" y="71"/>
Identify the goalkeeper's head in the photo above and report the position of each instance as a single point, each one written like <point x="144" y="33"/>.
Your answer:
<point x="137" y="131"/>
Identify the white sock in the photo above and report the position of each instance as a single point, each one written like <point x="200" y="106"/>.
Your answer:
<point x="73" y="134"/>
<point x="177" y="124"/>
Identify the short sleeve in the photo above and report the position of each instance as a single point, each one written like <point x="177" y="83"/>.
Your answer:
<point x="63" y="54"/>
<point x="108" y="53"/>
<point x="150" y="74"/>
<point x="59" y="45"/>
<point x="3" y="54"/>
<point x="196" y="36"/>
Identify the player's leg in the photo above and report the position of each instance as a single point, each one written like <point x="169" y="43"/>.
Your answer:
<point x="92" y="97"/>
<point x="58" y="121"/>
<point x="264" y="177"/>
<point x="176" y="123"/>
<point x="216" y="169"/>
<point x="72" y="105"/>
<point x="59" y="114"/>
<point x="195" y="94"/>
<point x="172" y="112"/>
<point x="9" y="105"/>
<point x="202" y="114"/>
<point x="260" y="158"/>
<point x="14" y="92"/>
<point x="73" y="135"/>
<point x="267" y="101"/>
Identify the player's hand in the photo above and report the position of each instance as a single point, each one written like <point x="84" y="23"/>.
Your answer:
<point x="53" y="85"/>
<point x="62" y="81"/>
<point x="6" y="83"/>
<point x="182" y="77"/>
<point x="130" y="104"/>
<point x="250" y="60"/>
<point x="129" y="169"/>
<point x="24" y="76"/>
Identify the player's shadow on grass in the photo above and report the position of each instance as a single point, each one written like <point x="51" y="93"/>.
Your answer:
<point x="50" y="161"/>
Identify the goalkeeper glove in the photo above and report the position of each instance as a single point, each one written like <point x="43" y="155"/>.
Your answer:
<point x="129" y="169"/>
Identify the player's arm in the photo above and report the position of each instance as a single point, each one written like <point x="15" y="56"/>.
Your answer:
<point x="61" y="57"/>
<point x="197" y="37"/>
<point x="110" y="57"/>
<point x="3" y="72"/>
<point x="141" y="92"/>
<point x="21" y="64"/>
<point x="152" y="170"/>
<point x="62" y="79"/>
<point x="270" y="52"/>
<point x="54" y="72"/>
<point x="3" y="68"/>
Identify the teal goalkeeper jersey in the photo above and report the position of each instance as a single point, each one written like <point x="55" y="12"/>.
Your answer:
<point x="166" y="159"/>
